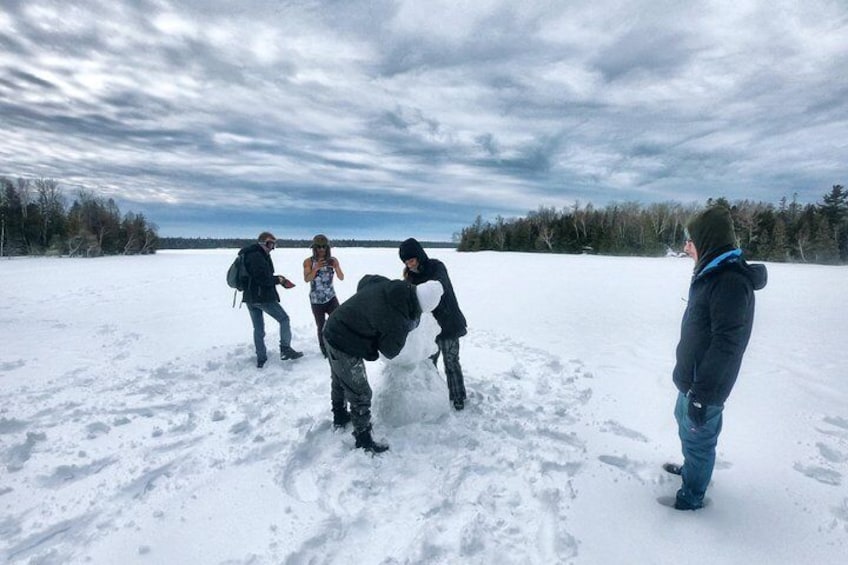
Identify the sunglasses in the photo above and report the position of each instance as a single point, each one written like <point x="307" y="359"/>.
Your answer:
<point x="270" y="244"/>
<point x="319" y="247"/>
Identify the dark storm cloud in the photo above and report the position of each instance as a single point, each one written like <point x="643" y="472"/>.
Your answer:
<point x="396" y="115"/>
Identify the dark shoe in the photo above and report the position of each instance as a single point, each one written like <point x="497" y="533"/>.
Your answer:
<point x="341" y="418"/>
<point x="366" y="442"/>
<point x="287" y="353"/>
<point x="672" y="468"/>
<point x="682" y="504"/>
<point x="458" y="404"/>
<point x="261" y="362"/>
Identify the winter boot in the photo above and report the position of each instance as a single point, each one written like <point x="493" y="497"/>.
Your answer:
<point x="287" y="353"/>
<point x="341" y="418"/>
<point x="260" y="362"/>
<point x="681" y="503"/>
<point x="458" y="404"/>
<point x="672" y="468"/>
<point x="366" y="442"/>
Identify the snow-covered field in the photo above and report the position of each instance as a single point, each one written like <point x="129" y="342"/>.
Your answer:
<point x="135" y="428"/>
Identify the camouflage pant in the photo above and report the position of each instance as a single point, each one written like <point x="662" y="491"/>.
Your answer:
<point x="449" y="349"/>
<point x="349" y="385"/>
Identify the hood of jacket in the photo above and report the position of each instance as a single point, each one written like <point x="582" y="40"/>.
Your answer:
<point x="711" y="231"/>
<point x="733" y="259"/>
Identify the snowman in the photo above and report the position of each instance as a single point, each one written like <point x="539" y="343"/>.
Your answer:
<point x="410" y="388"/>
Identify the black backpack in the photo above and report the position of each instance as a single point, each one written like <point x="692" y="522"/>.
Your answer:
<point x="237" y="275"/>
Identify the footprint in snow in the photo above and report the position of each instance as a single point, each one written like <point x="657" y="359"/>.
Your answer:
<point x="11" y="365"/>
<point x="637" y="469"/>
<point x="615" y="428"/>
<point x="820" y="474"/>
<point x="832" y="455"/>
<point x="840" y="515"/>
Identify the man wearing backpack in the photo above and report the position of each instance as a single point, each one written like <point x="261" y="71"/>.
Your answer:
<point x="260" y="296"/>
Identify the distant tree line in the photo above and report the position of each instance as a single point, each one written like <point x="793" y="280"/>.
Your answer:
<point x="237" y="243"/>
<point x="35" y="220"/>
<point x="788" y="231"/>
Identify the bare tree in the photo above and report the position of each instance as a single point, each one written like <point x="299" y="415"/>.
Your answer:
<point x="150" y="238"/>
<point x="546" y="236"/>
<point x="50" y="206"/>
<point x="23" y="187"/>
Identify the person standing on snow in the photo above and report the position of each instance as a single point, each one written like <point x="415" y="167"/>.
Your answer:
<point x="318" y="271"/>
<point x="418" y="269"/>
<point x="260" y="296"/>
<point x="714" y="333"/>
<point x="375" y="320"/>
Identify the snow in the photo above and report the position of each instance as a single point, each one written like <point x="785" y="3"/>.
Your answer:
<point x="135" y="428"/>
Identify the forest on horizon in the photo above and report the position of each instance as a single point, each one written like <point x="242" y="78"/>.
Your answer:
<point x="36" y="220"/>
<point x="785" y="232"/>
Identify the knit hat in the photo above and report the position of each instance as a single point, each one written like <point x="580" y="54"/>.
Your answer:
<point x="711" y="230"/>
<point x="411" y="249"/>
<point x="429" y="294"/>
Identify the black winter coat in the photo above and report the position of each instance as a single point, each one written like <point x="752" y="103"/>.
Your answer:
<point x="716" y="327"/>
<point x="450" y="318"/>
<point x="375" y="320"/>
<point x="261" y="286"/>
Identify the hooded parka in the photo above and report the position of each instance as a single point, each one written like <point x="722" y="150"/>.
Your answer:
<point x="719" y="314"/>
<point x="447" y="313"/>
<point x="377" y="319"/>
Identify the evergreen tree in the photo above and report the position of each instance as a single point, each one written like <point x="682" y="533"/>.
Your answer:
<point x="835" y="209"/>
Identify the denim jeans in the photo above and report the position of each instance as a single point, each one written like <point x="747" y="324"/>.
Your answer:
<point x="273" y="309"/>
<point x="699" y="450"/>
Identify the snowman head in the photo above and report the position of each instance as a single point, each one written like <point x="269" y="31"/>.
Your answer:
<point x="429" y="294"/>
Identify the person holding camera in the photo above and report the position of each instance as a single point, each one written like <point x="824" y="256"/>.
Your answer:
<point x="260" y="296"/>
<point x="319" y="270"/>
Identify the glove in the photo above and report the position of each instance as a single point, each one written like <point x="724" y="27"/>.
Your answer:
<point x="697" y="411"/>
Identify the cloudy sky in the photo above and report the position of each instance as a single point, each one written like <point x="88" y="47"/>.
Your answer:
<point x="394" y="118"/>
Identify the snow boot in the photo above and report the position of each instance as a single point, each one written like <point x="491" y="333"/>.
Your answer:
<point x="682" y="504"/>
<point x="341" y="418"/>
<point x="261" y="362"/>
<point x="672" y="468"/>
<point x="287" y="353"/>
<point x="458" y="404"/>
<point x="366" y="442"/>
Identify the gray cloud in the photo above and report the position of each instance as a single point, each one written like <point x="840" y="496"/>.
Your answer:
<point x="385" y="115"/>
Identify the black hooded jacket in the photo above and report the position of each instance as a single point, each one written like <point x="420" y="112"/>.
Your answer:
<point x="261" y="286"/>
<point x="718" y="319"/>
<point x="375" y="320"/>
<point x="447" y="313"/>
